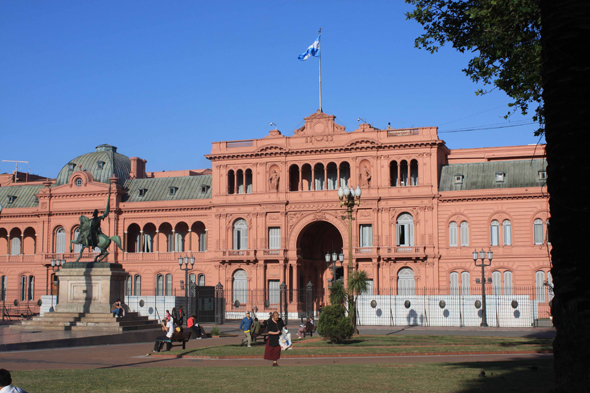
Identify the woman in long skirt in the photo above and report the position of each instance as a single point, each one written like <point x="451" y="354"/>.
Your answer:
<point x="273" y="349"/>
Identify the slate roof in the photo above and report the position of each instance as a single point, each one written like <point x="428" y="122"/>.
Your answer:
<point x="25" y="196"/>
<point x="158" y="189"/>
<point x="482" y="175"/>
<point x="89" y="162"/>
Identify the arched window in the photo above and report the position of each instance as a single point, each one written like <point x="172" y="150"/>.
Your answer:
<point x="240" y="181"/>
<point x="170" y="242"/>
<point x="405" y="282"/>
<point x="192" y="280"/>
<point x="77" y="247"/>
<point x="344" y="173"/>
<point x="248" y="181"/>
<point x="464" y="234"/>
<point x="496" y="283"/>
<point x="137" y="285"/>
<point x="465" y="286"/>
<point x="240" y="286"/>
<point x="168" y="289"/>
<point x="60" y="240"/>
<point x="540" y="285"/>
<point x="240" y="235"/>
<point x="201" y="280"/>
<point x="454" y="285"/>
<point x="231" y="182"/>
<point x="148" y="242"/>
<point x="507" y="231"/>
<point x="495" y="233"/>
<point x="405" y="230"/>
<point x="23" y="288"/>
<point x="159" y="285"/>
<point x="507" y="283"/>
<point x="414" y="173"/>
<point x="453" y="234"/>
<point x="332" y="176"/>
<point x="319" y="178"/>
<point x="404" y="173"/>
<point x="393" y="174"/>
<point x="15" y="246"/>
<point x="538" y="231"/>
<point x="306" y="177"/>
<point x="179" y="241"/>
<point x="294" y="178"/>
<point x="128" y="286"/>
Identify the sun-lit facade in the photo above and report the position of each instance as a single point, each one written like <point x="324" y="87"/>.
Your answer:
<point x="267" y="212"/>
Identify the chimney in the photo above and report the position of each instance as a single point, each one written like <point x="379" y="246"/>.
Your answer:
<point x="137" y="168"/>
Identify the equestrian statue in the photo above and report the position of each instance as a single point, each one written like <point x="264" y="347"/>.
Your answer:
<point x="91" y="235"/>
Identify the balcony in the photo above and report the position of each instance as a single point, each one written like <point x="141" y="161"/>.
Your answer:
<point x="275" y="253"/>
<point x="163" y="256"/>
<point x="368" y="252"/>
<point x="237" y="255"/>
<point x="403" y="252"/>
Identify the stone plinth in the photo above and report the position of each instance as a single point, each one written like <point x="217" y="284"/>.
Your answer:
<point x="90" y="287"/>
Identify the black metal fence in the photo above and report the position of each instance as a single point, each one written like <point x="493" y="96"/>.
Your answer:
<point x="18" y="305"/>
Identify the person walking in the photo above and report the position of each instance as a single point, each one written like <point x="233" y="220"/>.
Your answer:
<point x="246" y="326"/>
<point x="273" y="349"/>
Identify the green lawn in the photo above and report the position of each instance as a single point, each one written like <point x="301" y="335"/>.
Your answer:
<point x="501" y="377"/>
<point x="385" y="345"/>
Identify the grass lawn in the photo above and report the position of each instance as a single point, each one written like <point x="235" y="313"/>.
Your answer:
<point x="502" y="377"/>
<point x="384" y="345"/>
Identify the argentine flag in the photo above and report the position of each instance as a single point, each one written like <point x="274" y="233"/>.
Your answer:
<point x="313" y="50"/>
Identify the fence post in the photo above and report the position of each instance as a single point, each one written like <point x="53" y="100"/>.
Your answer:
<point x="283" y="306"/>
<point x="219" y="304"/>
<point x="309" y="300"/>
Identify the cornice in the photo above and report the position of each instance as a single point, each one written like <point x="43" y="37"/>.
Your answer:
<point x="473" y="198"/>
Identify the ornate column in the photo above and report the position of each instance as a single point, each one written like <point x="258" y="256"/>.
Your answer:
<point x="140" y="241"/>
<point x="125" y="241"/>
<point x="173" y="240"/>
<point x="157" y="240"/>
<point x="190" y="240"/>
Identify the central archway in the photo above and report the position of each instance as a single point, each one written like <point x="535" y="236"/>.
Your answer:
<point x="314" y="241"/>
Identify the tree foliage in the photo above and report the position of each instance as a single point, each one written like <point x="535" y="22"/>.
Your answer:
<point x="503" y="35"/>
<point x="337" y="293"/>
<point x="357" y="283"/>
<point x="334" y="324"/>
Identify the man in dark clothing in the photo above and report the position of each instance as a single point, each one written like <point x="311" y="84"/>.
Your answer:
<point x="246" y="326"/>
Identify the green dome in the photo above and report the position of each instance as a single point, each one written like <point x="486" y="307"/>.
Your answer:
<point x="99" y="164"/>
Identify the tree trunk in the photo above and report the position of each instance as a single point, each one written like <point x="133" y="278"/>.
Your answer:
<point x="566" y="76"/>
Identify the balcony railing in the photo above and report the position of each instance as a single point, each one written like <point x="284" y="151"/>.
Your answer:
<point x="163" y="256"/>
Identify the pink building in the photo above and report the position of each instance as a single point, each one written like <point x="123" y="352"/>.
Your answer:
<point x="268" y="212"/>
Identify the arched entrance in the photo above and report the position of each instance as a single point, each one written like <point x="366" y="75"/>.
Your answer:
<point x="313" y="243"/>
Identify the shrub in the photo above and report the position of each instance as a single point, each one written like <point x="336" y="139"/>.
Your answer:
<point x="215" y="331"/>
<point x="334" y="324"/>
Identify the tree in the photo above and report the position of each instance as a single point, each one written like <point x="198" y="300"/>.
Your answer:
<point x="337" y="293"/>
<point x="565" y="74"/>
<point x="504" y="36"/>
<point x="492" y="27"/>
<point x="334" y="324"/>
<point x="357" y="283"/>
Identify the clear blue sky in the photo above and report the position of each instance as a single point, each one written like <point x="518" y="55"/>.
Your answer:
<point x="163" y="79"/>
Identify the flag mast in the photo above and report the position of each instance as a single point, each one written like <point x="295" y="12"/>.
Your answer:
<point x="320" y="62"/>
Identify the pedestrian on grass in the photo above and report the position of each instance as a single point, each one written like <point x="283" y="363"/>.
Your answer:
<point x="6" y="383"/>
<point x="273" y="349"/>
<point x="246" y="326"/>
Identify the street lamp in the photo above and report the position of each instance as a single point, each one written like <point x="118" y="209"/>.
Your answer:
<point x="349" y="197"/>
<point x="186" y="269"/>
<point x="331" y="260"/>
<point x="56" y="264"/>
<point x="482" y="256"/>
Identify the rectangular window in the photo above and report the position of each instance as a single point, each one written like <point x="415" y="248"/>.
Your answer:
<point x="274" y="238"/>
<point x="168" y="284"/>
<point x="464" y="234"/>
<point x="23" y="288"/>
<point x="453" y="234"/>
<point x="465" y="283"/>
<point x="274" y="292"/>
<point x="494" y="233"/>
<point x="369" y="290"/>
<point x="366" y="235"/>
<point x="137" y="285"/>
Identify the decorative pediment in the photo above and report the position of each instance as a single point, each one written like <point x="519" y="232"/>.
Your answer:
<point x="271" y="149"/>
<point x="363" y="142"/>
<point x="319" y="125"/>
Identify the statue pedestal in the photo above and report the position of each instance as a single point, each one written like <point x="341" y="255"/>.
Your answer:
<point x="90" y="287"/>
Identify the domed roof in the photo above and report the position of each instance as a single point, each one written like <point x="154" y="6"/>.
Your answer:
<point x="99" y="164"/>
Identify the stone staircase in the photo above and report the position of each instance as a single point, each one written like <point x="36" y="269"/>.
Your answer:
<point x="95" y="322"/>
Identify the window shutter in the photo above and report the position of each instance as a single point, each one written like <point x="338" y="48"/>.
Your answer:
<point x="464" y="234"/>
<point x="465" y="283"/>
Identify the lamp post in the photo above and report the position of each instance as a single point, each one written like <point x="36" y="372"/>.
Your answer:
<point x="56" y="264"/>
<point x="349" y="197"/>
<point x="482" y="256"/>
<point x="331" y="260"/>
<point x="186" y="269"/>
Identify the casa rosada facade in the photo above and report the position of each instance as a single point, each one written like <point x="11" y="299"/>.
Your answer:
<point x="268" y="212"/>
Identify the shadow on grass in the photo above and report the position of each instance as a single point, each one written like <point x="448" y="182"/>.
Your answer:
<point x="519" y="375"/>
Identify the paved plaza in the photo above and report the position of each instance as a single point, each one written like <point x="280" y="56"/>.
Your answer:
<point x="134" y="354"/>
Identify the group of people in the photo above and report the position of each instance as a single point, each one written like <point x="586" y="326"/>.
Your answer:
<point x="279" y="337"/>
<point x="172" y="324"/>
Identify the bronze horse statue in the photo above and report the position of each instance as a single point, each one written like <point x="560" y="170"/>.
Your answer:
<point x="91" y="235"/>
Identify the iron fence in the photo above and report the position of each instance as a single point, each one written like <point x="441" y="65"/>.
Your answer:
<point x="18" y="305"/>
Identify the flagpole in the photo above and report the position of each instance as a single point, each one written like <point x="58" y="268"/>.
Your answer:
<point x="320" y="62"/>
